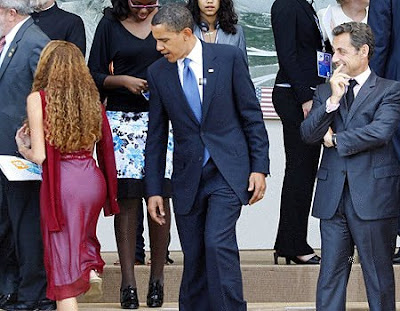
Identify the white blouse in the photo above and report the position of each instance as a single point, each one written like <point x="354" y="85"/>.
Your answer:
<point x="333" y="16"/>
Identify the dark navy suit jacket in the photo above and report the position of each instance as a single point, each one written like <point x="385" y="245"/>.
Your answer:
<point x="384" y="19"/>
<point x="232" y="127"/>
<point x="16" y="77"/>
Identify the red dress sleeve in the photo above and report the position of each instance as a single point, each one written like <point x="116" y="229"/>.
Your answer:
<point x="106" y="160"/>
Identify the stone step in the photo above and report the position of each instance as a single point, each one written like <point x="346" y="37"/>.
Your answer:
<point x="263" y="281"/>
<point x="305" y="306"/>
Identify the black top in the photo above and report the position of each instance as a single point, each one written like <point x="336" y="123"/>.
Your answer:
<point x="130" y="55"/>
<point x="58" y="24"/>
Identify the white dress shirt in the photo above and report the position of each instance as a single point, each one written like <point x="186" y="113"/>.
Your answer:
<point x="196" y="64"/>
<point x="361" y="78"/>
<point x="10" y="38"/>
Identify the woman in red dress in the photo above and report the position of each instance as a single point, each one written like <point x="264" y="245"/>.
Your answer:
<point x="66" y="121"/>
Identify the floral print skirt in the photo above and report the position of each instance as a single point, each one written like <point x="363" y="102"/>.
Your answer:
<point x="129" y="131"/>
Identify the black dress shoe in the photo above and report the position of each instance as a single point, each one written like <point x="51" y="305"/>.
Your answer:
<point x="312" y="261"/>
<point x="21" y="306"/>
<point x="155" y="296"/>
<point x="7" y="300"/>
<point x="129" y="298"/>
<point x="396" y="258"/>
<point x="46" y="305"/>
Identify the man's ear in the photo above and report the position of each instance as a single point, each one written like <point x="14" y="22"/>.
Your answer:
<point x="187" y="33"/>
<point x="364" y="50"/>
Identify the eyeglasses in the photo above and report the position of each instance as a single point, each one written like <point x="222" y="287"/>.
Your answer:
<point x="143" y="6"/>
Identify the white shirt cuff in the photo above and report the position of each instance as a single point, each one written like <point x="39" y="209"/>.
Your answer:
<point x="331" y="107"/>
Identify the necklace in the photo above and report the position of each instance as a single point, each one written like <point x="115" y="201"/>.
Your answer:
<point x="209" y="33"/>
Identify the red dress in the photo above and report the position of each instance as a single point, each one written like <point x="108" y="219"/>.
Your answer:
<point x="72" y="194"/>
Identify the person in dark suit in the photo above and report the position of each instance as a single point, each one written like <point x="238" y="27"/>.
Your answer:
<point x="384" y="19"/>
<point x="220" y="155"/>
<point x="22" y="275"/>
<point x="357" y="196"/>
<point x="58" y="24"/>
<point x="297" y="39"/>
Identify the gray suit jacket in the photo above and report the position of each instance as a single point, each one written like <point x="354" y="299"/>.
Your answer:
<point x="16" y="77"/>
<point x="364" y="153"/>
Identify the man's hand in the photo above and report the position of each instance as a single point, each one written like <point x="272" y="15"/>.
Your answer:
<point x="328" y="138"/>
<point x="155" y="207"/>
<point x="338" y="82"/>
<point x="306" y="108"/>
<point x="258" y="185"/>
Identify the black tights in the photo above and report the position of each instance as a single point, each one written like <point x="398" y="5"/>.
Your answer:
<point x="125" y="224"/>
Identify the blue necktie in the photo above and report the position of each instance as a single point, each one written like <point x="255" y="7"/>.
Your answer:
<point x="191" y="91"/>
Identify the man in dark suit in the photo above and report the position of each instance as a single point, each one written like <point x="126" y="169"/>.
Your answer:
<point x="384" y="19"/>
<point x="357" y="196"/>
<point x="220" y="155"/>
<point x="22" y="275"/>
<point x="297" y="39"/>
<point x="58" y="24"/>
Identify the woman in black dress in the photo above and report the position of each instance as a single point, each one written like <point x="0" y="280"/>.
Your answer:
<point x="122" y="49"/>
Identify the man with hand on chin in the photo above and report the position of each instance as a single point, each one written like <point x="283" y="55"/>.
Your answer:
<point x="220" y="155"/>
<point x="357" y="197"/>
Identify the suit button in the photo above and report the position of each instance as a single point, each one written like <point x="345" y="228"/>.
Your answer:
<point x="344" y="172"/>
<point x="200" y="158"/>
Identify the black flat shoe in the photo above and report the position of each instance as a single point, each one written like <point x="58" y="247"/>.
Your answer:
<point x="155" y="296"/>
<point x="312" y="261"/>
<point x="8" y="300"/>
<point x="396" y="258"/>
<point x="129" y="298"/>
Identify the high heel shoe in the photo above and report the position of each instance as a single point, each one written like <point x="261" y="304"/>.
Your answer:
<point x="95" y="291"/>
<point x="129" y="298"/>
<point x="315" y="260"/>
<point x="155" y="296"/>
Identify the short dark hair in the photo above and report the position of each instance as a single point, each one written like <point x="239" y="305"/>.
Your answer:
<point x="360" y="34"/>
<point x="174" y="16"/>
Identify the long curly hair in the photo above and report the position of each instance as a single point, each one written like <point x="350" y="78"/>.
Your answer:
<point x="226" y="15"/>
<point x="73" y="111"/>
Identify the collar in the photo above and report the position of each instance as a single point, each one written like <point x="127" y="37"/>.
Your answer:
<point x="363" y="77"/>
<point x="13" y="32"/>
<point x="195" y="55"/>
<point x="48" y="10"/>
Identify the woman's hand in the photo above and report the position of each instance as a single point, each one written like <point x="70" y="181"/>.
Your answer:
<point x="23" y="137"/>
<point x="135" y="85"/>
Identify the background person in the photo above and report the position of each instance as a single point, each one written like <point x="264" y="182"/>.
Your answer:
<point x="343" y="11"/>
<point x="58" y="24"/>
<point x="216" y="22"/>
<point x="66" y="120"/>
<point x="297" y="39"/>
<point x="22" y="274"/>
<point x="124" y="38"/>
<point x="384" y="19"/>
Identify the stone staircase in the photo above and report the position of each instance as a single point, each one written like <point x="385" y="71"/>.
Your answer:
<point x="266" y="286"/>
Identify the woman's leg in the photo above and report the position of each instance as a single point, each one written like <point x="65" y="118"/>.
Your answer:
<point x="125" y="224"/>
<point x="69" y="304"/>
<point x="159" y="238"/>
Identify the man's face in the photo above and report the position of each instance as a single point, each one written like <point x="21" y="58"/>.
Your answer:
<point x="354" y="62"/>
<point x="4" y="22"/>
<point x="173" y="45"/>
<point x="40" y="5"/>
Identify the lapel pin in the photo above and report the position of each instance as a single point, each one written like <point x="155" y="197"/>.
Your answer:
<point x="210" y="70"/>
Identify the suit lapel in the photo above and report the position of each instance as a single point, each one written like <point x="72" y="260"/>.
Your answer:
<point x="173" y="83"/>
<point x="210" y="74"/>
<point x="13" y="47"/>
<point x="362" y="95"/>
<point x="309" y="10"/>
